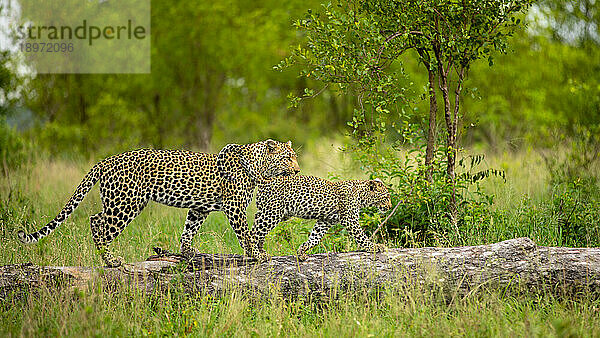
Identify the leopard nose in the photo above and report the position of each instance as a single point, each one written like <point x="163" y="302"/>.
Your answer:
<point x="295" y="166"/>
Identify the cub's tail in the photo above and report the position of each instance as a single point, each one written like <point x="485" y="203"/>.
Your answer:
<point x="82" y="189"/>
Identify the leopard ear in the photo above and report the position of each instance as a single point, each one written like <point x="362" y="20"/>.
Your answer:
<point x="289" y="143"/>
<point x="226" y="159"/>
<point x="374" y="183"/>
<point x="271" y="145"/>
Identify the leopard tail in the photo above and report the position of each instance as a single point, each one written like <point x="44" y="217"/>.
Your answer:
<point x="82" y="189"/>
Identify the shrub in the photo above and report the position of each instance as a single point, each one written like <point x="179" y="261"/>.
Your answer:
<point x="576" y="208"/>
<point x="580" y="161"/>
<point x="14" y="149"/>
<point x="423" y="213"/>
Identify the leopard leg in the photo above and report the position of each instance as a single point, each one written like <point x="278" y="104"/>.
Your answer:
<point x="193" y="222"/>
<point x="314" y="238"/>
<point x="108" y="224"/>
<point x="98" y="226"/>
<point x="364" y="243"/>
<point x="235" y="210"/>
<point x="104" y="230"/>
<point x="264" y="221"/>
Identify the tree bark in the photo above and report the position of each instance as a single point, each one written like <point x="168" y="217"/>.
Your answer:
<point x="450" y="140"/>
<point x="452" y="146"/>
<point x="432" y="126"/>
<point x="456" y="271"/>
<point x="451" y="125"/>
<point x="451" y="137"/>
<point x="431" y="138"/>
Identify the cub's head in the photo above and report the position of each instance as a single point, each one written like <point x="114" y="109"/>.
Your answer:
<point x="376" y="194"/>
<point x="262" y="161"/>
<point x="278" y="159"/>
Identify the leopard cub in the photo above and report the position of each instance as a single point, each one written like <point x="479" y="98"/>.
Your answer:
<point x="311" y="197"/>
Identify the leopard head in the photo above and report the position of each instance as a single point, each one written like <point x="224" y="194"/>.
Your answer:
<point x="262" y="161"/>
<point x="278" y="159"/>
<point x="377" y="195"/>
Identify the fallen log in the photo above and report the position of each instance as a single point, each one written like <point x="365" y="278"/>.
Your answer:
<point x="456" y="271"/>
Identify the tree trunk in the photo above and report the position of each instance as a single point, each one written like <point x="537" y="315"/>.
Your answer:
<point x="450" y="141"/>
<point x="453" y="147"/>
<point x="429" y="152"/>
<point x="159" y="130"/>
<point x="459" y="271"/>
<point x="431" y="138"/>
<point x="451" y="137"/>
<point x="205" y="114"/>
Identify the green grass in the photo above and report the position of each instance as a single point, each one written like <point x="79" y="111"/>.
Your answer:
<point x="394" y="313"/>
<point x="32" y="195"/>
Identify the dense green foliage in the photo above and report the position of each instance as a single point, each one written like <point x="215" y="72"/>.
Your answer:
<point x="211" y="80"/>
<point x="13" y="146"/>
<point x="212" y="83"/>
<point x="14" y="149"/>
<point x="356" y="47"/>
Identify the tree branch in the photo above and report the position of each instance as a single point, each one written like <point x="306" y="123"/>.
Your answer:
<point x="516" y="264"/>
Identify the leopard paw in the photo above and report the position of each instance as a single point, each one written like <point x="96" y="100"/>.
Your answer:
<point x="262" y="256"/>
<point x="302" y="256"/>
<point x="379" y="248"/>
<point x="375" y="248"/>
<point x="112" y="261"/>
<point x="189" y="251"/>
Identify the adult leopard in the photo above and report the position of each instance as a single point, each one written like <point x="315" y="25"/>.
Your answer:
<point x="197" y="181"/>
<point x="311" y="197"/>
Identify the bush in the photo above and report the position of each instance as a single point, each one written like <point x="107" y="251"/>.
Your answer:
<point x="423" y="214"/>
<point x="14" y="149"/>
<point x="576" y="210"/>
<point x="581" y="160"/>
<point x="574" y="178"/>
